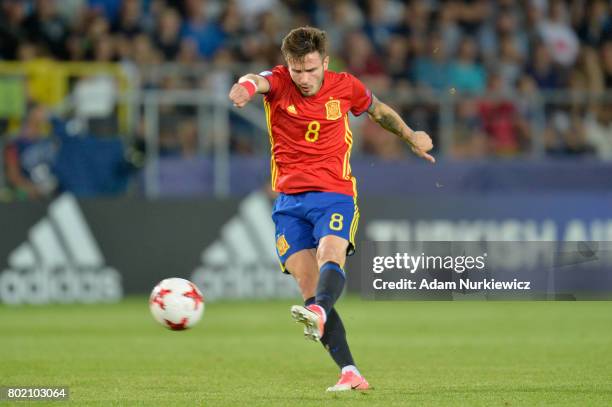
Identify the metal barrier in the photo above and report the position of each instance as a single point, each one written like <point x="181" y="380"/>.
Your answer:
<point x="49" y="83"/>
<point x="214" y="114"/>
<point x="167" y="118"/>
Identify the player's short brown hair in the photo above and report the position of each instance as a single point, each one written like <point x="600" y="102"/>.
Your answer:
<point x="302" y="41"/>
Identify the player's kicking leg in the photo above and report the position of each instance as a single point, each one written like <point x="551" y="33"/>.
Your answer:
<point x="320" y="324"/>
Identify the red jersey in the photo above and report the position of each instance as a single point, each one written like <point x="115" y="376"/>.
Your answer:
<point x="309" y="135"/>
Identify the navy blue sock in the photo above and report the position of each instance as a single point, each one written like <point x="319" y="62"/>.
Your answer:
<point x="330" y="286"/>
<point x="334" y="338"/>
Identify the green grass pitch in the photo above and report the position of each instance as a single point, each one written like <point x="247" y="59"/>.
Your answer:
<point x="252" y="354"/>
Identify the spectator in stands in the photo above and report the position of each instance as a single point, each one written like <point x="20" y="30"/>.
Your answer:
<point x="499" y="118"/>
<point x="598" y="129"/>
<point x="558" y="36"/>
<point x="606" y="63"/>
<point x="81" y="42"/>
<point x="188" y="52"/>
<point x="71" y="11"/>
<point x="143" y="51"/>
<point x="466" y="74"/>
<point x="382" y="16"/>
<point x="27" y="51"/>
<point x="362" y="61"/>
<point x="45" y="27"/>
<point x="267" y="37"/>
<point x="588" y="72"/>
<point x="510" y="63"/>
<point x="505" y="27"/>
<point x="469" y="138"/>
<point x="131" y="20"/>
<point x="97" y="26"/>
<point x="251" y="9"/>
<point x="75" y="48"/>
<point x="449" y="29"/>
<point x="341" y="17"/>
<point x="472" y="15"/>
<point x="201" y="28"/>
<point x="108" y="8"/>
<point x="530" y="117"/>
<point x="104" y="49"/>
<point x="397" y="61"/>
<point x="568" y="118"/>
<point x="12" y="32"/>
<point x="30" y="157"/>
<point x="415" y="21"/>
<point x="432" y="71"/>
<point x="167" y="35"/>
<point x="596" y="25"/>
<point x="543" y="70"/>
<point x="234" y="30"/>
<point x="567" y="134"/>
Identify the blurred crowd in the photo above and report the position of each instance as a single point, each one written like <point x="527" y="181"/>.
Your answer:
<point x="519" y="77"/>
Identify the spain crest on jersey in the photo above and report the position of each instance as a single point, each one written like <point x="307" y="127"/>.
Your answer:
<point x="281" y="245"/>
<point x="332" y="110"/>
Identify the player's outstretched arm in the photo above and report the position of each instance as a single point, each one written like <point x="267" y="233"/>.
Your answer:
<point x="247" y="86"/>
<point x="388" y="119"/>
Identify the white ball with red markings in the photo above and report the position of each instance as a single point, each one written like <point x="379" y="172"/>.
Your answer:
<point x="176" y="303"/>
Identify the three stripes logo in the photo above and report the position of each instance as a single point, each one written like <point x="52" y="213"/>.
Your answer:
<point x="60" y="262"/>
<point x="242" y="262"/>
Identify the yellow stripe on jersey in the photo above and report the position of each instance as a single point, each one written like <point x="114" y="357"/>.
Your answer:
<point x="348" y="138"/>
<point x="354" y="181"/>
<point x="347" y="175"/>
<point x="273" y="167"/>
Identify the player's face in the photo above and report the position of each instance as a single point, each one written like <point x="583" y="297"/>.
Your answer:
<point x="307" y="74"/>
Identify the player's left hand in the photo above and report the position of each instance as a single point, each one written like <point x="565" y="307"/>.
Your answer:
<point x="421" y="143"/>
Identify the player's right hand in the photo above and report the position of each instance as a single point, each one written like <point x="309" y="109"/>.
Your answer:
<point x="421" y="143"/>
<point x="239" y="95"/>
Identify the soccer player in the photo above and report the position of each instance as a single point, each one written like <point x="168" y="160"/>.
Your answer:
<point x="316" y="212"/>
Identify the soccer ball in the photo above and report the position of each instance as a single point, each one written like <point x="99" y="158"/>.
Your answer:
<point x="176" y="303"/>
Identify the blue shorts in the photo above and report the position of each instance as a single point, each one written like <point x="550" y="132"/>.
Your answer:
<point x="301" y="220"/>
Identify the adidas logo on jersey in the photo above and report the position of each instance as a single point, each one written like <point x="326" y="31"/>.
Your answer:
<point x="291" y="109"/>
<point x="60" y="262"/>
<point x="242" y="262"/>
